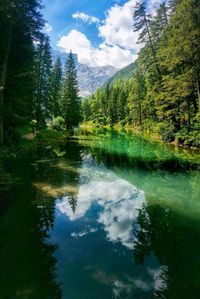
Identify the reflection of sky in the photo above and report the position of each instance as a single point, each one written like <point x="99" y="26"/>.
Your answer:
<point x="107" y="210"/>
<point x="125" y="288"/>
<point x="119" y="201"/>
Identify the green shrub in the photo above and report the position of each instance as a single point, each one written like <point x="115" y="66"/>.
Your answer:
<point x="167" y="132"/>
<point x="12" y="137"/>
<point x="58" y="123"/>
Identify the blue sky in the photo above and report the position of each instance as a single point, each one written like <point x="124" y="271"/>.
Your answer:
<point x="99" y="31"/>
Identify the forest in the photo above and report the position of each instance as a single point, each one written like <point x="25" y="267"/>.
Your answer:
<point x="34" y="89"/>
<point x="99" y="195"/>
<point x="161" y="96"/>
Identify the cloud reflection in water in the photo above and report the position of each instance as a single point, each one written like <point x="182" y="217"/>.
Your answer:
<point x="119" y="201"/>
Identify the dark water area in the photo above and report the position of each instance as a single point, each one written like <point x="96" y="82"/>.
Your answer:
<point x="103" y="215"/>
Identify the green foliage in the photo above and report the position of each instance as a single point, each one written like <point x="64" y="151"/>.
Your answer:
<point x="167" y="132"/>
<point x="20" y="24"/>
<point x="58" y="152"/>
<point x="86" y="110"/>
<point x="42" y="69"/>
<point x="12" y="137"/>
<point x="163" y="93"/>
<point x="47" y="135"/>
<point x="55" y="89"/>
<point x="58" y="123"/>
<point x="70" y="102"/>
<point x="125" y="73"/>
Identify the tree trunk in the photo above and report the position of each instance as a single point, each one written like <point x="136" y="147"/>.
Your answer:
<point x="152" y="46"/>
<point x="2" y="85"/>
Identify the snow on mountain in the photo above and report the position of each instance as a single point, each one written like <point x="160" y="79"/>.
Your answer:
<point x="89" y="78"/>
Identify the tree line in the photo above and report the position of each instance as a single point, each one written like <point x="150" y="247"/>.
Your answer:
<point x="163" y="95"/>
<point x="32" y="86"/>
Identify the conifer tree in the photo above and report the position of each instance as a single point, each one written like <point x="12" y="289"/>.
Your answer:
<point x="20" y="24"/>
<point x="55" y="89"/>
<point x="70" y="103"/>
<point x="136" y="98"/>
<point x="43" y="65"/>
<point x="160" y="21"/>
<point x="86" y="109"/>
<point x="142" y="23"/>
<point x="179" y="98"/>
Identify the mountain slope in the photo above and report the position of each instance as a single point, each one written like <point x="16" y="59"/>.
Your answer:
<point x="125" y="73"/>
<point x="89" y="78"/>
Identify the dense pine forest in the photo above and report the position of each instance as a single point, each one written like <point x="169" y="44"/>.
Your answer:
<point x="163" y="93"/>
<point x="99" y="194"/>
<point x="159" y="93"/>
<point x="34" y="89"/>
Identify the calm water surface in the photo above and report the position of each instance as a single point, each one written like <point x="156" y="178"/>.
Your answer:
<point x="101" y="216"/>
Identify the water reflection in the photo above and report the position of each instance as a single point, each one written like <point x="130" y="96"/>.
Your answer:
<point x="28" y="267"/>
<point x="175" y="240"/>
<point x="118" y="202"/>
<point x="101" y="218"/>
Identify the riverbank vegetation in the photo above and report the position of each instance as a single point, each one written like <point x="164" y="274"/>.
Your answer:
<point x="159" y="93"/>
<point x="163" y="94"/>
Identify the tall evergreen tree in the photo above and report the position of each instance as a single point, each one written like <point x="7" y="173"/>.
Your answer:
<point x="160" y="21"/>
<point x="142" y="23"/>
<point x="136" y="99"/>
<point x="20" y="24"/>
<point x="70" y="103"/>
<point x="180" y="96"/>
<point x="86" y="109"/>
<point x="43" y="65"/>
<point x="55" y="89"/>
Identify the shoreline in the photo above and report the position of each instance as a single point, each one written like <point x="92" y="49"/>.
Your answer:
<point x="144" y="133"/>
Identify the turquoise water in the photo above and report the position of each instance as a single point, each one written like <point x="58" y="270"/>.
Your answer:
<point x="103" y="215"/>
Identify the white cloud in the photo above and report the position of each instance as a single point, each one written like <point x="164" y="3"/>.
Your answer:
<point x="86" y="18"/>
<point x="117" y="29"/>
<point x="87" y="54"/>
<point x="48" y="28"/>
<point x="119" y="46"/>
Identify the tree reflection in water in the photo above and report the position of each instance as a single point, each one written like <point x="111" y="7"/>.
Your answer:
<point x="28" y="265"/>
<point x="175" y="241"/>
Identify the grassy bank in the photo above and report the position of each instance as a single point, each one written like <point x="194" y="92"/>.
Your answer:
<point x="155" y="132"/>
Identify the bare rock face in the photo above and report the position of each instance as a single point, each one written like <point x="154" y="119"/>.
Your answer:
<point x="89" y="78"/>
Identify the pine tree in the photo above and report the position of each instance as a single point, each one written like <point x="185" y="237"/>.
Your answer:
<point x="136" y="99"/>
<point x="86" y="110"/>
<point x="42" y="67"/>
<point x="180" y="95"/>
<point x="160" y="21"/>
<point x="20" y="24"/>
<point x="55" y="89"/>
<point x="142" y="23"/>
<point x="70" y="103"/>
<point x="112" y="106"/>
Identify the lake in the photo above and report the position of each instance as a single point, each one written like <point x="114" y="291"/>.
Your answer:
<point x="102" y="215"/>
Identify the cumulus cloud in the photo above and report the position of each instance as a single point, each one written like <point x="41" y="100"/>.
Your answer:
<point x="117" y="29"/>
<point x="119" y="46"/>
<point x="87" y="54"/>
<point x="85" y="18"/>
<point x="119" y="43"/>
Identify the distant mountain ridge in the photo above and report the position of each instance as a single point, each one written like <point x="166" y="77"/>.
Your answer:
<point x="89" y="78"/>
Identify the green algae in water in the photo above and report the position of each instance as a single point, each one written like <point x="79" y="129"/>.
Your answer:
<point x="117" y="216"/>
